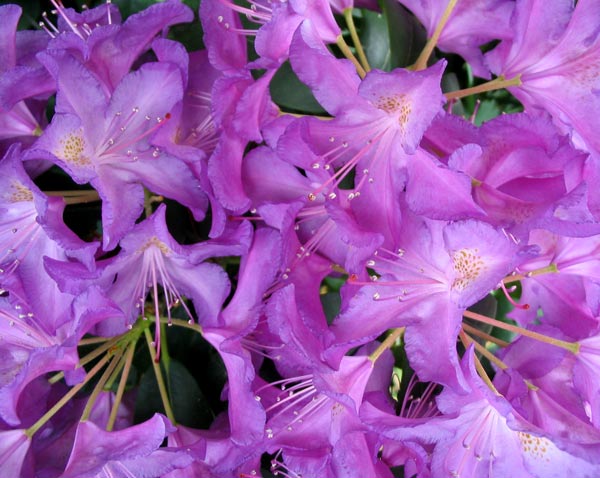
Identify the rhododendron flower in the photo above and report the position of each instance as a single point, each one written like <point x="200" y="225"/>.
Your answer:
<point x="281" y="239"/>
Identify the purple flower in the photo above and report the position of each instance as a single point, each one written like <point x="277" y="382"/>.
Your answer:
<point x="108" y="48"/>
<point x="106" y="141"/>
<point x="22" y="78"/>
<point x="533" y="181"/>
<point x="14" y="445"/>
<point x="554" y="51"/>
<point x="314" y="419"/>
<point x="471" y="24"/>
<point x="434" y="273"/>
<point x="488" y="436"/>
<point x="150" y="258"/>
<point x="134" y="451"/>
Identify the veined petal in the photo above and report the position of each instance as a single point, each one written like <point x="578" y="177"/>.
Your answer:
<point x="14" y="445"/>
<point x="121" y="49"/>
<point x="410" y="98"/>
<point x="9" y="18"/>
<point x="122" y="204"/>
<point x="66" y="143"/>
<point x="334" y="82"/>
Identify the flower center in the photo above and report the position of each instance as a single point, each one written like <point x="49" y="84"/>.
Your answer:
<point x="468" y="265"/>
<point x="398" y="104"/>
<point x="19" y="193"/>
<point x="72" y="148"/>
<point x="534" y="446"/>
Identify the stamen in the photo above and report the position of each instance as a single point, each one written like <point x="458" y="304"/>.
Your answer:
<point x="60" y="9"/>
<point x="154" y="271"/>
<point x="261" y="349"/>
<point x="49" y="23"/>
<point x="335" y="179"/>
<point x="119" y="126"/>
<point x="511" y="300"/>
<point x="475" y="110"/>
<point x="278" y="468"/>
<point x="108" y="13"/>
<point x="45" y="28"/>
<point x="419" y="407"/>
<point x="252" y="14"/>
<point x="26" y="332"/>
<point x="239" y="31"/>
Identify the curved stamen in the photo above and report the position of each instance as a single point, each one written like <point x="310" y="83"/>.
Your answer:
<point x="511" y="300"/>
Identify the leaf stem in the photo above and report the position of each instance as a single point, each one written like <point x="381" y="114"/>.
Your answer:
<point x="70" y="394"/>
<point x="92" y="340"/>
<point x="89" y="357"/>
<point x="387" y="343"/>
<point x="421" y="62"/>
<point x="495" y="84"/>
<point x="165" y="358"/>
<point x="147" y="203"/>
<point x="119" y="396"/>
<point x="76" y="197"/>
<point x="182" y="323"/>
<point x="343" y="46"/>
<point x="572" y="347"/>
<point x="488" y="355"/>
<point x="356" y="40"/>
<point x="115" y="360"/>
<point x="551" y="269"/>
<point x="467" y="341"/>
<point x="483" y="335"/>
<point x="159" y="378"/>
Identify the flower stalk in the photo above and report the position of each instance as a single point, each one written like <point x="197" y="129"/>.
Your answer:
<point x="421" y="62"/>
<point x="345" y="49"/>
<point x="572" y="347"/>
<point x="356" y="40"/>
<point x="164" y="396"/>
<point x="495" y="84"/>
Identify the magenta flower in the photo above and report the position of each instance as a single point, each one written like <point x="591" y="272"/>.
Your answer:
<point x="554" y="51"/>
<point x="115" y="153"/>
<point x="489" y="436"/>
<point x="108" y="48"/>
<point x="434" y="273"/>
<point x="23" y="80"/>
<point x="14" y="445"/>
<point x="151" y="259"/>
<point x="320" y="262"/>
<point x="472" y="23"/>
<point x="134" y="451"/>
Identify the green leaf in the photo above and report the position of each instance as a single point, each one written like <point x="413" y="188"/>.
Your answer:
<point x="393" y="39"/>
<point x="31" y="13"/>
<point x="504" y="307"/>
<point x="488" y="109"/>
<point x="398" y="471"/>
<point x="129" y="7"/>
<point x="331" y="303"/>
<point x="202" y="360"/>
<point x="291" y="94"/>
<point x="193" y="4"/>
<point x="450" y="83"/>
<point x="407" y="35"/>
<point x="187" y="400"/>
<point x="376" y="40"/>
<point x="487" y="306"/>
<point x="334" y="284"/>
<point x="189" y="35"/>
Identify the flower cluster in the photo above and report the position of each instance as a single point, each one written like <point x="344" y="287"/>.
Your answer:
<point x="310" y="260"/>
